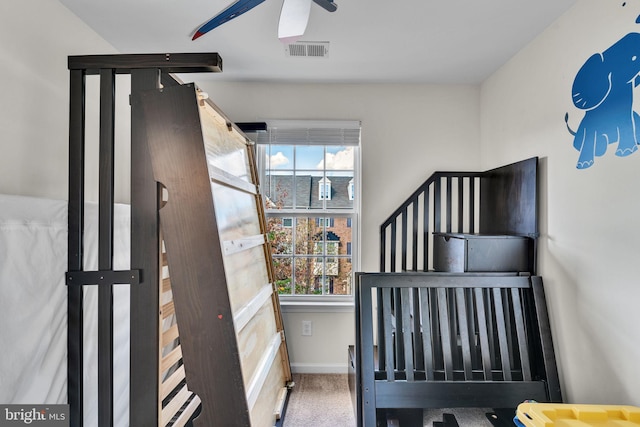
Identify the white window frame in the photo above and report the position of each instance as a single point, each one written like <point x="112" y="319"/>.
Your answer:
<point x="353" y="213"/>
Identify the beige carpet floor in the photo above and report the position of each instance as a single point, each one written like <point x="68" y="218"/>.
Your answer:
<point x="320" y="400"/>
<point x="323" y="400"/>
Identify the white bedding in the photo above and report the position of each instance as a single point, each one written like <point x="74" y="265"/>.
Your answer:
<point x="33" y="303"/>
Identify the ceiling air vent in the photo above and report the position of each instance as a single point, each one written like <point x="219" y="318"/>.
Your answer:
<point x="308" y="49"/>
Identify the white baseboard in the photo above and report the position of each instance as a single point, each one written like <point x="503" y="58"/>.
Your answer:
<point x="318" y="368"/>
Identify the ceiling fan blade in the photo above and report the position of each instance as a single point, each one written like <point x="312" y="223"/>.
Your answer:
<point x="294" y="17"/>
<point x="232" y="11"/>
<point x="327" y="5"/>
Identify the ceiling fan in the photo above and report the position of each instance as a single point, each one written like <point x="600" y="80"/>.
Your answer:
<point x="294" y="16"/>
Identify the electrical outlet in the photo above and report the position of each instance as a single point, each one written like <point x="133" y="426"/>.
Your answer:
<point x="306" y="328"/>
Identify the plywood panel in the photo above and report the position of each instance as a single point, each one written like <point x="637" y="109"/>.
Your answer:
<point x="253" y="339"/>
<point x="235" y="212"/>
<point x="263" y="411"/>
<point x="250" y="275"/>
<point x="225" y="147"/>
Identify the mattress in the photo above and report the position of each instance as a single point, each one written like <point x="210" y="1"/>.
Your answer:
<point x="33" y="303"/>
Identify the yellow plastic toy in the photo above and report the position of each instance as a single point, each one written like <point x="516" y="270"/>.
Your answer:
<point x="569" y="415"/>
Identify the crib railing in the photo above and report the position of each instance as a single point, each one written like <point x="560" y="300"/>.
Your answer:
<point x="452" y="340"/>
<point x="498" y="201"/>
<point x="446" y="202"/>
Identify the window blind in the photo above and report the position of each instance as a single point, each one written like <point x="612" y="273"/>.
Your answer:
<point x="331" y="132"/>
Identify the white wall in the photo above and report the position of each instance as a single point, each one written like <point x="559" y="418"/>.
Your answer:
<point x="589" y="225"/>
<point x="589" y="218"/>
<point x="408" y="132"/>
<point x="36" y="36"/>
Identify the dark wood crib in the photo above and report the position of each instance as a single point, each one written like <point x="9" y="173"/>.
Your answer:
<point x="458" y="317"/>
<point x="448" y="340"/>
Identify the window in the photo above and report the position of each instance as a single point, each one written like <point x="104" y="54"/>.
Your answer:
<point x="351" y="189"/>
<point x="321" y="222"/>
<point x="309" y="173"/>
<point x="324" y="189"/>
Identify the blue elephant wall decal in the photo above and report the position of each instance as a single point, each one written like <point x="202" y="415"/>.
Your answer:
<point x="603" y="87"/>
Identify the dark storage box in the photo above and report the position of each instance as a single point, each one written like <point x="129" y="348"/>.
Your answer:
<point x="457" y="252"/>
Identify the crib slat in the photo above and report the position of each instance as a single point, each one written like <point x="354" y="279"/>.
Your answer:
<point x="472" y="194"/>
<point x="166" y="284"/>
<point x="404" y="239"/>
<point x="453" y="328"/>
<point x="473" y="333"/>
<point x="509" y="327"/>
<point x="187" y="412"/>
<point x="491" y="326"/>
<point x="502" y="334"/>
<point x="169" y="335"/>
<point x="482" y="330"/>
<point x="426" y="333"/>
<point x="520" y="332"/>
<point x="172" y="382"/>
<point x="425" y="229"/>
<point x="168" y="309"/>
<point x="383" y="248"/>
<point x="399" y="329"/>
<point x="406" y="334"/>
<point x="460" y="204"/>
<point x="435" y="328"/>
<point x="418" y="351"/>
<point x="175" y="404"/>
<point x="449" y="203"/>
<point x="414" y="230"/>
<point x="393" y="246"/>
<point x="437" y="205"/>
<point x="171" y="359"/>
<point x="443" y="313"/>
<point x="388" y="338"/>
<point x="381" y="347"/>
<point x="463" y="324"/>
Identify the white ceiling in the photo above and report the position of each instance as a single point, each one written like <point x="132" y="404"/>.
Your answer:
<point x="402" y="41"/>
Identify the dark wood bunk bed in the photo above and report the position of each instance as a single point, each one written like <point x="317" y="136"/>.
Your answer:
<point x="199" y="257"/>
<point x="474" y="334"/>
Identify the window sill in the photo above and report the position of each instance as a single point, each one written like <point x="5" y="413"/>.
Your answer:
<point x="316" y="305"/>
